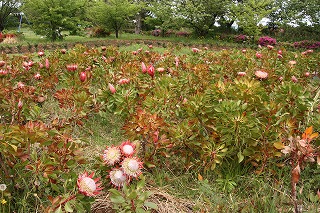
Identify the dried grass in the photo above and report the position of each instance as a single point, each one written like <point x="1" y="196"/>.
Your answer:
<point x="166" y="203"/>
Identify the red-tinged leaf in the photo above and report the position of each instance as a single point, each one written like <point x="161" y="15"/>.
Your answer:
<point x="314" y="135"/>
<point x="200" y="178"/>
<point x="318" y="193"/>
<point x="296" y="174"/>
<point x="308" y="131"/>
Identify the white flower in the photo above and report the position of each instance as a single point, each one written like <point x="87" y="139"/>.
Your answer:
<point x="3" y="187"/>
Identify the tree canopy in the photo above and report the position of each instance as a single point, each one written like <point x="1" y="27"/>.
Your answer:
<point x="7" y="7"/>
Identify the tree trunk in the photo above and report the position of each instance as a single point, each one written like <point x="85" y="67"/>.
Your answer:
<point x="117" y="33"/>
<point x="137" y="29"/>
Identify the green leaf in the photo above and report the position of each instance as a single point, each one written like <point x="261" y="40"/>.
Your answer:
<point x="240" y="157"/>
<point x="59" y="210"/>
<point x="117" y="199"/>
<point x="150" y="205"/>
<point x="67" y="207"/>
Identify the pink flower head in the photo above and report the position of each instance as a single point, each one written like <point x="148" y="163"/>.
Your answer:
<point x="20" y="85"/>
<point x="2" y="63"/>
<point x="124" y="81"/>
<point x="40" y="65"/>
<point x="261" y="74"/>
<point x="37" y="76"/>
<point x="3" y="72"/>
<point x="242" y="73"/>
<point x="72" y="67"/>
<point x="132" y="166"/>
<point x="20" y="104"/>
<point x="151" y="70"/>
<point x="83" y="76"/>
<point x="244" y="51"/>
<point x="270" y="47"/>
<point x="63" y="51"/>
<point x="280" y="52"/>
<point x="111" y="155"/>
<point x="177" y="60"/>
<point x="87" y="185"/>
<point x="47" y="64"/>
<point x="307" y="74"/>
<point x="258" y="55"/>
<point x="112" y="88"/>
<point x="143" y="67"/>
<point x="118" y="177"/>
<point x="291" y="63"/>
<point x="40" y="53"/>
<point x="134" y="52"/>
<point x="195" y="50"/>
<point x="294" y="79"/>
<point x="160" y="69"/>
<point x="127" y="148"/>
<point x="150" y="46"/>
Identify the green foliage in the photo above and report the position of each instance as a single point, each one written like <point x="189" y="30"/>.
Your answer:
<point x="132" y="198"/>
<point x="113" y="14"/>
<point x="249" y="13"/>
<point x="50" y="18"/>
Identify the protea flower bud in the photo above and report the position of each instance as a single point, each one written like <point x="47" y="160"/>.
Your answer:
<point x="151" y="70"/>
<point x="242" y="73"/>
<point x="143" y="67"/>
<point x="40" y="53"/>
<point x="72" y="67"/>
<point x="83" y="76"/>
<point x="37" y="76"/>
<point x="47" y="64"/>
<point x="112" y="88"/>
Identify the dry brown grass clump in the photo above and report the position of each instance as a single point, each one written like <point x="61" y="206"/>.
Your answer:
<point x="166" y="203"/>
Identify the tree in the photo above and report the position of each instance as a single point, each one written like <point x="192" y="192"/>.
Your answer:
<point x="163" y="15"/>
<point x="7" y="7"/>
<point x="51" y="17"/>
<point x="112" y="14"/>
<point x="249" y="13"/>
<point x="201" y="15"/>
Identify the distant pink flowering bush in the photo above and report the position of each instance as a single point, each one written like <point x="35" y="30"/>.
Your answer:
<point x="266" y="40"/>
<point x="307" y="44"/>
<point x="241" y="38"/>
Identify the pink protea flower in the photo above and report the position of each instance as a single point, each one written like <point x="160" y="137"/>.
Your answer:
<point x="72" y="67"/>
<point x="37" y="76"/>
<point x="294" y="79"/>
<point x="177" y="60"/>
<point x="244" y="51"/>
<point x="47" y="64"/>
<point x="134" y="52"/>
<point x="87" y="185"/>
<point x="132" y="166"/>
<point x="160" y="69"/>
<point x="143" y="67"/>
<point x="270" y="47"/>
<point x="2" y="63"/>
<point x="111" y="155"/>
<point x="127" y="148"/>
<point x="118" y="177"/>
<point x="3" y="72"/>
<point x="20" y="85"/>
<point x="63" y="51"/>
<point x="151" y="70"/>
<point x="258" y="55"/>
<point x="307" y="74"/>
<point x="112" y="88"/>
<point x="280" y="52"/>
<point x="40" y="53"/>
<point x="242" y="73"/>
<point x="195" y="50"/>
<point x="124" y="81"/>
<point x="291" y="63"/>
<point x="261" y="74"/>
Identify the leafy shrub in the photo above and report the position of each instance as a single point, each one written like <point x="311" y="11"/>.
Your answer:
<point x="156" y="32"/>
<point x="266" y="40"/>
<point x="307" y="44"/>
